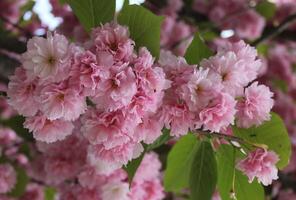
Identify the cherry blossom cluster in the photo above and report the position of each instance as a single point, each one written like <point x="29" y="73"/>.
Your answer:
<point x="233" y="14"/>
<point x="57" y="78"/>
<point x="12" y="158"/>
<point x="130" y="99"/>
<point x="213" y="96"/>
<point x="76" y="179"/>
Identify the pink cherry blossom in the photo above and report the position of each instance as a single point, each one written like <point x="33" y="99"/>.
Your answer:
<point x="61" y="101"/>
<point x="176" y="68"/>
<point x="7" y="136"/>
<point x="177" y="118"/>
<point x="33" y="192"/>
<point x="219" y="113"/>
<point x="248" y="24"/>
<point x="118" y="90"/>
<point x="47" y="58"/>
<point x="115" y="191"/>
<point x="108" y="128"/>
<point x="7" y="178"/>
<point x="149" y="168"/>
<point x="88" y="72"/>
<point x="199" y="89"/>
<point x="148" y="130"/>
<point x="114" y="40"/>
<point x="22" y="93"/>
<point x="48" y="131"/>
<point x="229" y="69"/>
<point x="150" y="190"/>
<point x="255" y="107"/>
<point x="107" y="160"/>
<point x="261" y="164"/>
<point x="248" y="56"/>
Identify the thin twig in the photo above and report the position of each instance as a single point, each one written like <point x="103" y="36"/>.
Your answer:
<point x="24" y="31"/>
<point x="278" y="30"/>
<point x="230" y="138"/>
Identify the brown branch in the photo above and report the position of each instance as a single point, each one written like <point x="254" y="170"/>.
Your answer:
<point x="277" y="30"/>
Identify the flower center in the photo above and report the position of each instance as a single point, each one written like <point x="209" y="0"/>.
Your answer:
<point x="51" y="60"/>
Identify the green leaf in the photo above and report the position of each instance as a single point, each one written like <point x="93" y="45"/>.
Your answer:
<point x="280" y="84"/>
<point x="21" y="184"/>
<point x="226" y="168"/>
<point x="203" y="173"/>
<point x="49" y="193"/>
<point x="160" y="141"/>
<point x="92" y="13"/>
<point x="144" y="27"/>
<point x="266" y="8"/>
<point x="132" y="167"/>
<point x="179" y="162"/>
<point x="262" y="49"/>
<point x="274" y="134"/>
<point x="197" y="50"/>
<point x="245" y="190"/>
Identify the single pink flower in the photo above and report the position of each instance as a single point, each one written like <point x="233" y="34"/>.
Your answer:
<point x="48" y="58"/>
<point x="61" y="101"/>
<point x="114" y="40"/>
<point x="88" y="72"/>
<point x="110" y="129"/>
<point x="255" y="107"/>
<point x="117" y="190"/>
<point x="261" y="164"/>
<point x="199" y="90"/>
<point x="48" y="131"/>
<point x="107" y="160"/>
<point x="118" y="90"/>
<point x="22" y="93"/>
<point x="219" y="113"/>
<point x="177" y="118"/>
<point x="7" y="178"/>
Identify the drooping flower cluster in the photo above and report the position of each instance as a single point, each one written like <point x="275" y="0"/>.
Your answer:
<point x="214" y="95"/>
<point x="260" y="164"/>
<point x="126" y="89"/>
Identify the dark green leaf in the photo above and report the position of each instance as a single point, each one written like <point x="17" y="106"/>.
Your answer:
<point x="160" y="141"/>
<point x="21" y="184"/>
<point x="272" y="133"/>
<point x="245" y="190"/>
<point x="266" y="8"/>
<point x="197" y="50"/>
<point x="132" y="166"/>
<point x="226" y="169"/>
<point x="92" y="13"/>
<point x="203" y="173"/>
<point x="49" y="193"/>
<point x="144" y="27"/>
<point x="179" y="162"/>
